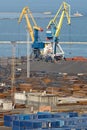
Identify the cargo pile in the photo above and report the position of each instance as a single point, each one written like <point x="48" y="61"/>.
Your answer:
<point x="47" y="87"/>
<point x="79" y="58"/>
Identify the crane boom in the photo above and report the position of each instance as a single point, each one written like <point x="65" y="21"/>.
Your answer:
<point x="25" y="12"/>
<point x="65" y="11"/>
<point x="64" y="7"/>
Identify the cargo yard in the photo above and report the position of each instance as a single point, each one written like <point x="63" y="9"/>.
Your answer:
<point x="44" y="89"/>
<point x="56" y="89"/>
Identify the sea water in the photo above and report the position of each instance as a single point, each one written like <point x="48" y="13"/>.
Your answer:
<point x="10" y="30"/>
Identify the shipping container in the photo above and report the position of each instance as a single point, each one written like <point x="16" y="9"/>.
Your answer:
<point x="51" y="123"/>
<point x="60" y="115"/>
<point x="73" y="114"/>
<point x="8" y="123"/>
<point x="27" y="124"/>
<point x="18" y="117"/>
<point x="66" y="128"/>
<point x="15" y="128"/>
<point x="11" y="117"/>
<point x="42" y="115"/>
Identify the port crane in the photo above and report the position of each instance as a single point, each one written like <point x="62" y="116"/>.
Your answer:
<point x="33" y="30"/>
<point x="54" y="28"/>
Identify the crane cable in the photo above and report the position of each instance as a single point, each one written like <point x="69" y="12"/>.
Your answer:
<point x="70" y="52"/>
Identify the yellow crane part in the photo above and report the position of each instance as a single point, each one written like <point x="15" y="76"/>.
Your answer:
<point x="65" y="9"/>
<point x="25" y="12"/>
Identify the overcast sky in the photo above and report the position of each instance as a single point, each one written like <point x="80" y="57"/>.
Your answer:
<point x="37" y="5"/>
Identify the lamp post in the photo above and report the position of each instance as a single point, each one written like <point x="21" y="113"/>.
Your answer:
<point x="28" y="55"/>
<point x="13" y="70"/>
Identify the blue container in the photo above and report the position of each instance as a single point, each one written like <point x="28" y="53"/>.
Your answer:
<point x="27" y="117"/>
<point x="78" y="120"/>
<point x="43" y="115"/>
<point x="57" y="129"/>
<point x="46" y="123"/>
<point x="24" y="117"/>
<point x="15" y="117"/>
<point x="69" y="121"/>
<point x="15" y="128"/>
<point x="84" y="115"/>
<point x="34" y="116"/>
<point x="51" y="123"/>
<point x="26" y="124"/>
<point x="30" y="124"/>
<point x="6" y="117"/>
<point x="8" y="123"/>
<point x="57" y="123"/>
<point x="9" y="117"/>
<point x="16" y="123"/>
<point x="77" y="129"/>
<point x="37" y="125"/>
<point x="31" y="129"/>
<point x="21" y="117"/>
<point x="73" y="114"/>
<point x="60" y="115"/>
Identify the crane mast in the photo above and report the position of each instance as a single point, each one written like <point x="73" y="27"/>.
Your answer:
<point x="55" y="28"/>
